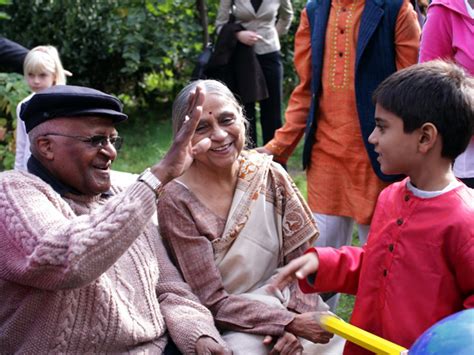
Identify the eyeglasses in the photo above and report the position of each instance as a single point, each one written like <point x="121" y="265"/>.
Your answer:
<point x="94" y="141"/>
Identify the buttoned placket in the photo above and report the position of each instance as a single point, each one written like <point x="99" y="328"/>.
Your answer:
<point x="407" y="206"/>
<point x="341" y="35"/>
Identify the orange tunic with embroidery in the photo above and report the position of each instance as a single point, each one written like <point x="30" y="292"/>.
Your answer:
<point x="340" y="178"/>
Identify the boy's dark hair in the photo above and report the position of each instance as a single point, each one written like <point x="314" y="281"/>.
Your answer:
<point x="438" y="92"/>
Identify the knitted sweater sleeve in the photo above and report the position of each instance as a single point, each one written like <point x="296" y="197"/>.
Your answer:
<point x="44" y="244"/>
<point x="186" y="318"/>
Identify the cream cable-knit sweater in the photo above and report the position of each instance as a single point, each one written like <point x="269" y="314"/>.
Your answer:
<point x="89" y="274"/>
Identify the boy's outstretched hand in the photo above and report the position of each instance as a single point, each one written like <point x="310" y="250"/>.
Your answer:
<point x="298" y="268"/>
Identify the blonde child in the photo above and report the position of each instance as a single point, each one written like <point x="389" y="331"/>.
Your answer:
<point x="42" y="69"/>
<point x="418" y="264"/>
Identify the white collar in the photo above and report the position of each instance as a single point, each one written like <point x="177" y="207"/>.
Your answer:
<point x="430" y="194"/>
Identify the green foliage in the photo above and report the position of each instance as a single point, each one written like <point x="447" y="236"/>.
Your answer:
<point x="13" y="89"/>
<point x="146" y="140"/>
<point x="141" y="50"/>
<point x="145" y="49"/>
<point x="114" y="45"/>
<point x="287" y="49"/>
<point x="345" y="306"/>
<point x="4" y="15"/>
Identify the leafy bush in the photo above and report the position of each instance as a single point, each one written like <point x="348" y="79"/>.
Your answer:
<point x="13" y="89"/>
<point x="290" y="79"/>
<point x="125" y="46"/>
<point x="141" y="50"/>
<point x="3" y="14"/>
<point x="113" y="45"/>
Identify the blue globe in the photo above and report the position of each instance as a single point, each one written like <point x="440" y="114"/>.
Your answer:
<point x="453" y="335"/>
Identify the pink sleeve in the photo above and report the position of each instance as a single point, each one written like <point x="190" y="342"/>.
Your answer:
<point x="436" y="38"/>
<point x="339" y="270"/>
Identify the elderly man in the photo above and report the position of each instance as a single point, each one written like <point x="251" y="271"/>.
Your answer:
<point x="82" y="269"/>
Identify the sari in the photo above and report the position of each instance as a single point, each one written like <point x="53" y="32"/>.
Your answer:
<point x="229" y="262"/>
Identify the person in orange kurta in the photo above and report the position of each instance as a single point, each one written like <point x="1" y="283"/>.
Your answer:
<point x="343" y="183"/>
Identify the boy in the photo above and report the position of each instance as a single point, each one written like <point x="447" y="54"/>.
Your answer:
<point x="418" y="264"/>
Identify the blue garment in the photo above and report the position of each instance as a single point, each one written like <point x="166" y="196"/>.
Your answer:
<point x="375" y="60"/>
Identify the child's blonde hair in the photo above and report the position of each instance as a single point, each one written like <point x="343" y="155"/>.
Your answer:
<point x="45" y="58"/>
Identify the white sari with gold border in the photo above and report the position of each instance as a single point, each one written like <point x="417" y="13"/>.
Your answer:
<point x="268" y="219"/>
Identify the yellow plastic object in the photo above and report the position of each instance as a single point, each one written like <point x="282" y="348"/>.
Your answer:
<point x="369" y="341"/>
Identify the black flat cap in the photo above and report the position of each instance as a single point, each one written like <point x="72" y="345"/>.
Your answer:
<point x="70" y="101"/>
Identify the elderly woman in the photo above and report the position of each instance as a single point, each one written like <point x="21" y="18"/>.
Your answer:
<point x="230" y="222"/>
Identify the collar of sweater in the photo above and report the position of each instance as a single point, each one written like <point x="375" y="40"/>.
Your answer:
<point x="36" y="168"/>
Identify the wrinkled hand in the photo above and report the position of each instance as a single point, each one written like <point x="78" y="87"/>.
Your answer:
<point x="306" y="325"/>
<point x="287" y="344"/>
<point x="181" y="153"/>
<point x="298" y="268"/>
<point x="248" y="37"/>
<point x="208" y="346"/>
<point x="263" y="150"/>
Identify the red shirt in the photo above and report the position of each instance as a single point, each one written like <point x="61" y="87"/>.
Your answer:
<point x="416" y="268"/>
